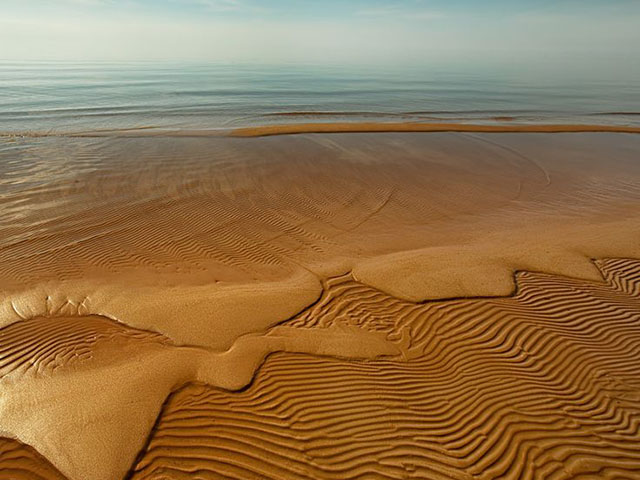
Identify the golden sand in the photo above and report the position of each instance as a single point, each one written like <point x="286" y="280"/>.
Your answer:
<point x="301" y="306"/>
<point x="21" y="462"/>
<point x="541" y="385"/>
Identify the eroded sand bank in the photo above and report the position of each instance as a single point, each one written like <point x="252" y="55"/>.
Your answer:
<point x="133" y="267"/>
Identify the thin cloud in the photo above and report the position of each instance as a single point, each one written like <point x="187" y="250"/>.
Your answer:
<point x="399" y="12"/>
<point x="87" y="3"/>
<point x="220" y="5"/>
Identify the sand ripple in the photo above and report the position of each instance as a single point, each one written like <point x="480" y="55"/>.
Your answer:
<point x="41" y="345"/>
<point x="21" y="462"/>
<point x="540" y="385"/>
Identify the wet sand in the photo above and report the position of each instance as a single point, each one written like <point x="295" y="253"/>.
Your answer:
<point x="392" y="305"/>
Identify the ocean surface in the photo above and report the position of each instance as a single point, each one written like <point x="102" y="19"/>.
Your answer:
<point x="66" y="97"/>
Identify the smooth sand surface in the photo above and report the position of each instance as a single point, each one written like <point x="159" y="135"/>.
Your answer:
<point x="302" y="306"/>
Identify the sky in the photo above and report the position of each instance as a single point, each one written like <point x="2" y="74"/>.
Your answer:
<point x="331" y="31"/>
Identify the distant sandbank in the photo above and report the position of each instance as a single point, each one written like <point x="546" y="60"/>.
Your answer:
<point x="365" y="127"/>
<point x="331" y="127"/>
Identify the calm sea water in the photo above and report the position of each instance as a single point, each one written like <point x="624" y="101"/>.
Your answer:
<point x="65" y="97"/>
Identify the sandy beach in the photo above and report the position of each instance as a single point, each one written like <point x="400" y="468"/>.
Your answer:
<point x="456" y="304"/>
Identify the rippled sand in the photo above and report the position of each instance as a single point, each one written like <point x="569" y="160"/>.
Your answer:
<point x="306" y="306"/>
<point x="541" y="385"/>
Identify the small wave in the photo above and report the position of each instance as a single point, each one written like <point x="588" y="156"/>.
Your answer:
<point x="613" y="113"/>
<point x="487" y="113"/>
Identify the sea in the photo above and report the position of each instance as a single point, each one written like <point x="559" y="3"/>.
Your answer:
<point x="63" y="97"/>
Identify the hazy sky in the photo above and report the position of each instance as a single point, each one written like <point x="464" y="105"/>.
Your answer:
<point x="362" y="31"/>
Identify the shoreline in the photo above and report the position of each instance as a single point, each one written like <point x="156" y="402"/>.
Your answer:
<point x="332" y="127"/>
